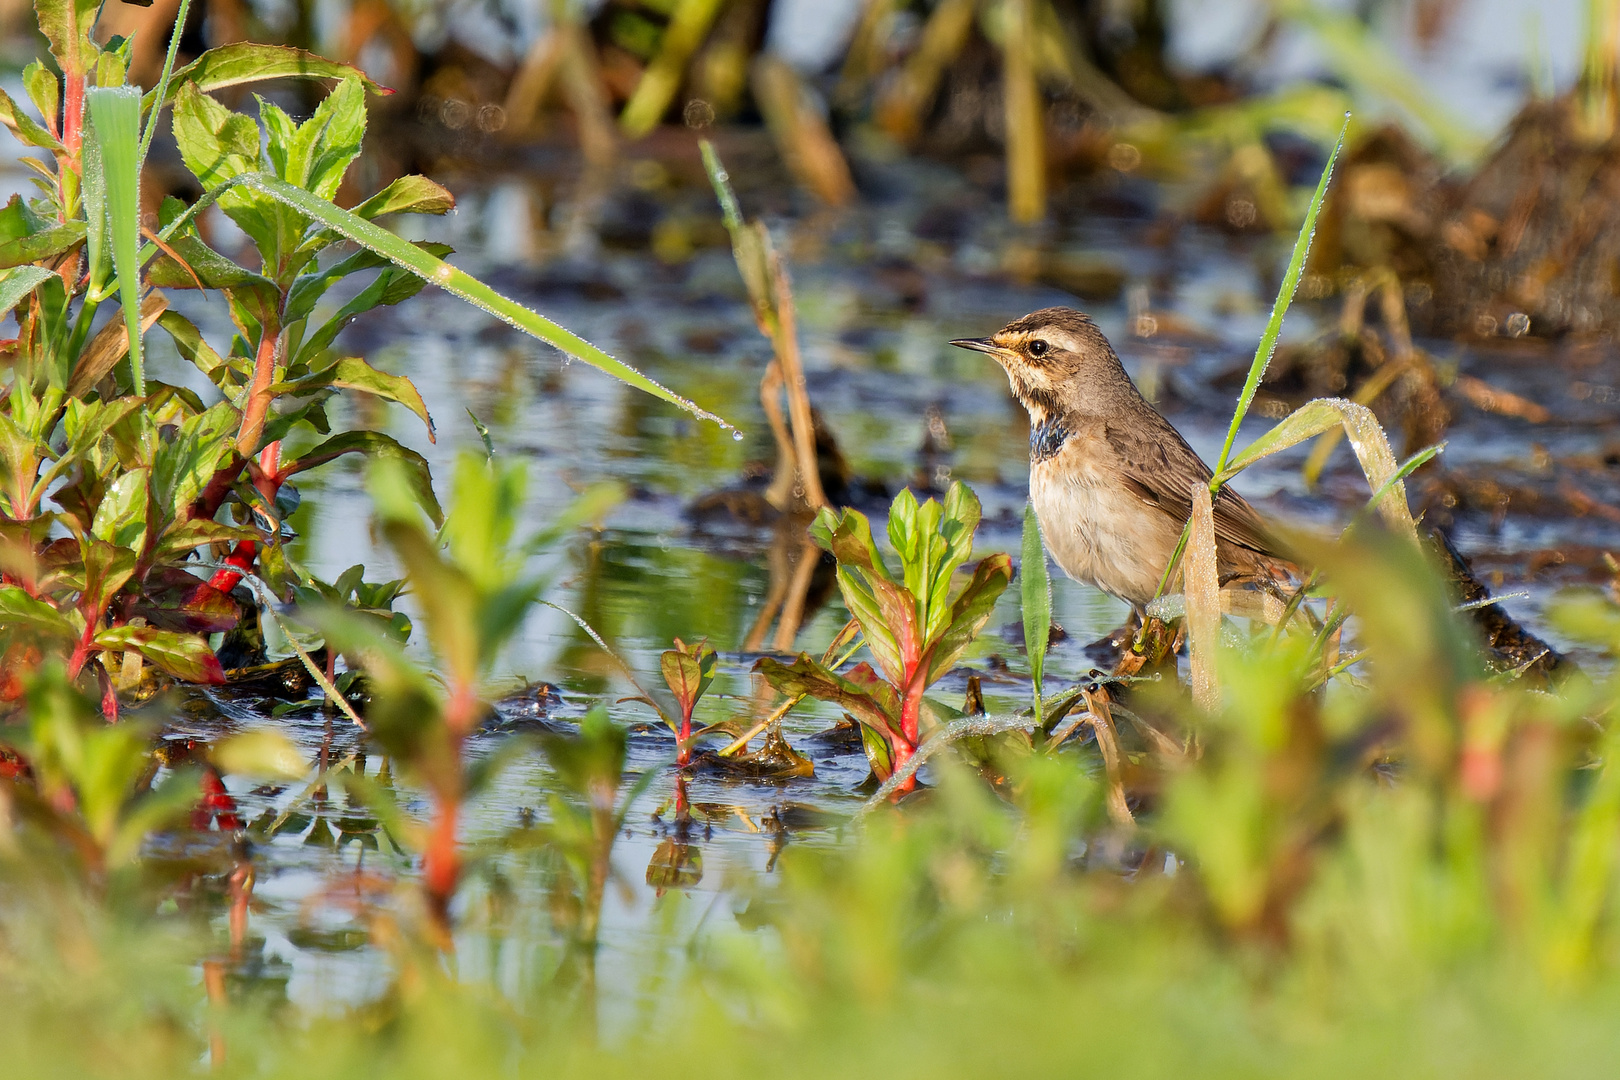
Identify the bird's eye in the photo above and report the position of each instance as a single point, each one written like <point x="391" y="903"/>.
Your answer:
<point x="1037" y="347"/>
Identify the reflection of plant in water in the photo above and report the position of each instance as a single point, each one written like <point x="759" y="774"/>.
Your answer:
<point x="914" y="625"/>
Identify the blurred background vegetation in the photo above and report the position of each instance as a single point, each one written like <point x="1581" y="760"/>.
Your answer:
<point x="1401" y="857"/>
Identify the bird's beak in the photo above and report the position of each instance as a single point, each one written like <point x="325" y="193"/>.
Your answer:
<point x="979" y="344"/>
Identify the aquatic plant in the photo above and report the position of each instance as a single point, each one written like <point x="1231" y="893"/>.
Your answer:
<point x="141" y="475"/>
<point x="915" y="623"/>
<point x="474" y="596"/>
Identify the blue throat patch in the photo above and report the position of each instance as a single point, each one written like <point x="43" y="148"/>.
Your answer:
<point x="1046" y="439"/>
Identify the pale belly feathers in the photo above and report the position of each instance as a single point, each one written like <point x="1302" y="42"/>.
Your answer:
<point x="1097" y="531"/>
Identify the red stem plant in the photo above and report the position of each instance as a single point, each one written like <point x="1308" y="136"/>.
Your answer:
<point x="913" y="624"/>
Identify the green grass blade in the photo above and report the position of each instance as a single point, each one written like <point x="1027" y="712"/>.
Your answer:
<point x="462" y="284"/>
<point x="1036" y="589"/>
<point x="1285" y="297"/>
<point x="115" y="117"/>
<point x="168" y="72"/>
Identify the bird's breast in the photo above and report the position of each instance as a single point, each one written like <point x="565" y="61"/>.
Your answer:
<point x="1098" y="530"/>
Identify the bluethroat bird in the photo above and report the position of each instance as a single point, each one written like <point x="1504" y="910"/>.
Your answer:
<point x="1111" y="479"/>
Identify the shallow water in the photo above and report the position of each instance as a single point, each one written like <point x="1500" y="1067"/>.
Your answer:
<point x="880" y="290"/>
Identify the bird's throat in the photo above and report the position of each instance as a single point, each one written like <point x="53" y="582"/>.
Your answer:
<point x="1046" y="438"/>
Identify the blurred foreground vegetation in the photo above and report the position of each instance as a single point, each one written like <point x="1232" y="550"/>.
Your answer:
<point x="1372" y="837"/>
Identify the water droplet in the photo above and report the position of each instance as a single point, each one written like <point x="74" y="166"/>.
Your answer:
<point x="736" y="436"/>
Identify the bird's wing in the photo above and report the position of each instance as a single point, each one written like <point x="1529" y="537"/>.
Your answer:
<point x="1160" y="468"/>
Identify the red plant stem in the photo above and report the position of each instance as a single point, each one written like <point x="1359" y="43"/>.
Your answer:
<point x="241" y="896"/>
<point x="258" y="401"/>
<point x="267" y="479"/>
<point x="441" y="862"/>
<point x="904" y="743"/>
<point x="109" y="694"/>
<point x="683" y="752"/>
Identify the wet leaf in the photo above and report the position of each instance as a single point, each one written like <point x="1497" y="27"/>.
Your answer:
<point x="407" y="195"/>
<point x="970" y="611"/>
<point x="244" y="62"/>
<point x="414" y="467"/>
<point x="184" y="656"/>
<point x="688" y="673"/>
<point x="352" y="373"/>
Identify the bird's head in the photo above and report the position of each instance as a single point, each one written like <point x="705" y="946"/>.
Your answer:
<point x="1057" y="361"/>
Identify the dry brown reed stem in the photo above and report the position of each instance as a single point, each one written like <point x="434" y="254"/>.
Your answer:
<point x="901" y="108"/>
<point x="780" y="492"/>
<point x="801" y="133"/>
<point x="1102" y="721"/>
<point x="786" y="342"/>
<point x="582" y="90"/>
<point x="1202" y="589"/>
<point x="864" y="59"/>
<point x="1026" y="120"/>
<point x="790" y="584"/>
<point x="533" y="81"/>
<point x="793" y="610"/>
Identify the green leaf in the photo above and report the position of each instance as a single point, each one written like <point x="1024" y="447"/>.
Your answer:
<point x="1036" y="588"/>
<point x="25" y="127"/>
<point x="44" y="89"/>
<point x="220" y="146"/>
<point x="352" y="373"/>
<point x="307" y="289"/>
<point x="121" y="517"/>
<point x="375" y="444"/>
<point x="191" y="344"/>
<point x="1367" y="439"/>
<point x="115" y="113"/>
<point x="459" y="283"/>
<point x="243" y="62"/>
<point x="688" y="673"/>
<point x="36" y="247"/>
<point x="849" y="538"/>
<point x="969" y="612"/>
<point x="185" y="656"/>
<point x="17" y="283"/>
<point x="184" y="465"/>
<point x="407" y="195"/>
<point x="392" y="286"/>
<point x="256" y="294"/>
<point x="862" y="692"/>
<point x="327" y="142"/>
<point x="480" y="525"/>
<point x="18" y="609"/>
<point x="66" y="25"/>
<point x="450" y="600"/>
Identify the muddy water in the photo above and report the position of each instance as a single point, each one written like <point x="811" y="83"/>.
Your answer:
<point x="880" y="291"/>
